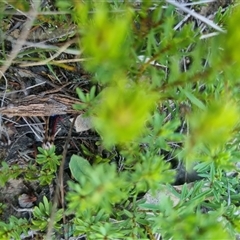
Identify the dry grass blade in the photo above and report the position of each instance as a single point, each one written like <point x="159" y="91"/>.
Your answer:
<point x="44" y="62"/>
<point x="196" y="15"/>
<point x="32" y="14"/>
<point x="41" y="45"/>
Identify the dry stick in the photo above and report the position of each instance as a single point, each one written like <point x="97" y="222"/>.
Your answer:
<point x="196" y="15"/>
<point x="59" y="187"/>
<point x="22" y="38"/>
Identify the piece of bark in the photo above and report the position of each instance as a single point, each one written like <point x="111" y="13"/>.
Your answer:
<point x="41" y="105"/>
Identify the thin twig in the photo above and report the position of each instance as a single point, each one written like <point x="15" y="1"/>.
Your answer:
<point x="59" y="187"/>
<point x="46" y="61"/>
<point x="5" y="91"/>
<point x="2" y="101"/>
<point x="41" y="45"/>
<point x="18" y="91"/>
<point x="40" y="138"/>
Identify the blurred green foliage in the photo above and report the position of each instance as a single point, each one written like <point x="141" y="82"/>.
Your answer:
<point x="106" y="31"/>
<point x="142" y="108"/>
<point x="121" y="119"/>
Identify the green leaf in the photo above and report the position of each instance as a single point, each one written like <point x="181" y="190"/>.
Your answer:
<point x="81" y="95"/>
<point x="128" y="213"/>
<point x="37" y="212"/>
<point x="92" y="92"/>
<point x="79" y="166"/>
<point x="46" y="204"/>
<point x="193" y="99"/>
